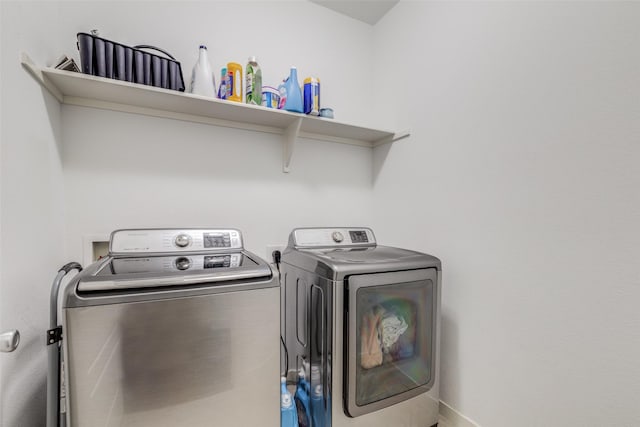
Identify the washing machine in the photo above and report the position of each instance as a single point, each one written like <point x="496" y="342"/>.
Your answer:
<point x="175" y="327"/>
<point x="361" y="324"/>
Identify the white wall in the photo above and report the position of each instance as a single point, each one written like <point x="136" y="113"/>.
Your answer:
<point x="68" y="172"/>
<point x="522" y="175"/>
<point x="31" y="196"/>
<point x="125" y="170"/>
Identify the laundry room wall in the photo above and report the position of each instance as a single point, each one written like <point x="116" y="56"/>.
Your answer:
<point x="124" y="170"/>
<point x="521" y="174"/>
<point x="72" y="172"/>
<point x="31" y="201"/>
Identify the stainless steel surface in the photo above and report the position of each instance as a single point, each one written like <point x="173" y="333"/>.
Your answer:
<point x="162" y="346"/>
<point x="127" y="272"/>
<point x="330" y="237"/>
<point x="150" y="241"/>
<point x="316" y="314"/>
<point x="194" y="361"/>
<point x="9" y="341"/>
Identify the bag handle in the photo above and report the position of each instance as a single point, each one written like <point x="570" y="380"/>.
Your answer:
<point x="146" y="46"/>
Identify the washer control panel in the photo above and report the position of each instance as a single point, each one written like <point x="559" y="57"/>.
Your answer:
<point x="174" y="240"/>
<point x="327" y="237"/>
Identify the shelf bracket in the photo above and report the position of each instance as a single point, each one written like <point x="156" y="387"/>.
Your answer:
<point x="290" y="137"/>
<point x="393" y="138"/>
<point x="36" y="73"/>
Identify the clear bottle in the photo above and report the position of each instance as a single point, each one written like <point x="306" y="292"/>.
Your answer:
<point x="288" y="413"/>
<point x="253" y="86"/>
<point x="294" y="94"/>
<point x="202" y="79"/>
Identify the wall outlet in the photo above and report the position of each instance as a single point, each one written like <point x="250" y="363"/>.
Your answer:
<point x="271" y="248"/>
<point x="94" y="246"/>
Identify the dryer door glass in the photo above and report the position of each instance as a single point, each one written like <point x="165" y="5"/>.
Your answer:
<point x="391" y="332"/>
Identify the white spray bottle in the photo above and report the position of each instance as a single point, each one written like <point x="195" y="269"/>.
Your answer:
<point x="202" y="79"/>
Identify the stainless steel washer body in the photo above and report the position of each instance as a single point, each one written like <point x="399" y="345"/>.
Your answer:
<point x="173" y="328"/>
<point x="339" y="289"/>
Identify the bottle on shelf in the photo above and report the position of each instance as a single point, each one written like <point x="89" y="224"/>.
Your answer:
<point x="234" y="71"/>
<point x="222" y="89"/>
<point x="202" y="79"/>
<point x="253" y="87"/>
<point x="312" y="96"/>
<point x="294" y="94"/>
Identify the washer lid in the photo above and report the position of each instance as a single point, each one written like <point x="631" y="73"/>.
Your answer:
<point x="120" y="273"/>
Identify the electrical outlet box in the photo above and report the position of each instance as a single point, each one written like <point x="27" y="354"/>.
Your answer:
<point x="95" y="246"/>
<point x="271" y="248"/>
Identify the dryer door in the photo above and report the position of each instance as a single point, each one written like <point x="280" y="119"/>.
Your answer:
<point x="390" y="338"/>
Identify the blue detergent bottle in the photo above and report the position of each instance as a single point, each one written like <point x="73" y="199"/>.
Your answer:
<point x="288" y="413"/>
<point x="294" y="94"/>
<point x="301" y="398"/>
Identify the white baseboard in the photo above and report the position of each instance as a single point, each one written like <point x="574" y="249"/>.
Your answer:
<point x="453" y="418"/>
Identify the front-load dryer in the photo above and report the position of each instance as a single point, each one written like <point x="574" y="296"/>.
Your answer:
<point x="361" y="321"/>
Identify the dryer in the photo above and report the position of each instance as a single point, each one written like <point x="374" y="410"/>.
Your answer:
<point x="362" y="321"/>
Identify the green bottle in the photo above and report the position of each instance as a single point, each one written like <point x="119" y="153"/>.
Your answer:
<point x="253" y="82"/>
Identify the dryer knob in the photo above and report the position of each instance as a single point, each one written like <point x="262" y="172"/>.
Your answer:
<point x="337" y="236"/>
<point x="183" y="263"/>
<point x="182" y="240"/>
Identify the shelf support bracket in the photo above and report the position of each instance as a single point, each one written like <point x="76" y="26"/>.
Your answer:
<point x="393" y="138"/>
<point x="290" y="137"/>
<point x="36" y="73"/>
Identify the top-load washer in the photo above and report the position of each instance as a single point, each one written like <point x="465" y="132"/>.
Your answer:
<point x="175" y="327"/>
<point x="362" y="321"/>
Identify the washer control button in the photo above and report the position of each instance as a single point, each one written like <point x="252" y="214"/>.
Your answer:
<point x="182" y="240"/>
<point x="337" y="236"/>
<point x="183" y="263"/>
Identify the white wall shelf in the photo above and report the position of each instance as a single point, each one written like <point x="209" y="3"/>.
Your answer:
<point x="109" y="94"/>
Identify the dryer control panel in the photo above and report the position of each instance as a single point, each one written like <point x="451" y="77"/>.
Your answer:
<point x="331" y="237"/>
<point x="150" y="241"/>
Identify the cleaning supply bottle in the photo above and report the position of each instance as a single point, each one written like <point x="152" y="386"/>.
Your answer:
<point x="235" y="81"/>
<point x="282" y="90"/>
<point x="202" y="79"/>
<point x="222" y="90"/>
<point x="253" y="87"/>
<point x="301" y="397"/>
<point x="288" y="415"/>
<point x="294" y="94"/>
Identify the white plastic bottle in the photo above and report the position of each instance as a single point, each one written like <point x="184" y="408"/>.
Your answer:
<point x="202" y="79"/>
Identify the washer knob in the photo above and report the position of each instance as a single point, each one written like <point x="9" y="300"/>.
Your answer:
<point x="182" y="240"/>
<point x="183" y="263"/>
<point x="337" y="236"/>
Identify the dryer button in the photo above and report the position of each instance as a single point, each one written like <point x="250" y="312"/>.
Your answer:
<point x="337" y="236"/>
